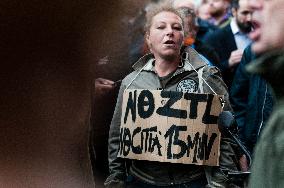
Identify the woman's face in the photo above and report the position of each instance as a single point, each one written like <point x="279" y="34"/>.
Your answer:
<point x="165" y="35"/>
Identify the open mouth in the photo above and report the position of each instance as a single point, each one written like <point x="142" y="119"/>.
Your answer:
<point x="256" y="31"/>
<point x="169" y="42"/>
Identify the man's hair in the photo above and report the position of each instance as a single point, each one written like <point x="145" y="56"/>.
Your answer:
<point x="235" y="4"/>
<point x="164" y="6"/>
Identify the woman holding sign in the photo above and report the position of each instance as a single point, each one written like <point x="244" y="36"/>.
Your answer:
<point x="164" y="69"/>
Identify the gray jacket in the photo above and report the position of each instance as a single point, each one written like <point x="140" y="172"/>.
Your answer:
<point x="187" y="78"/>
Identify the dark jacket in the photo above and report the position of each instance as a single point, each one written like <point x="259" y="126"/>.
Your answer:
<point x="268" y="165"/>
<point x="251" y="100"/>
<point x="207" y="51"/>
<point x="144" y="77"/>
<point x="204" y="28"/>
<point x="223" y="42"/>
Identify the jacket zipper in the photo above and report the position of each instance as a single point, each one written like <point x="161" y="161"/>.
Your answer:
<point x="262" y="111"/>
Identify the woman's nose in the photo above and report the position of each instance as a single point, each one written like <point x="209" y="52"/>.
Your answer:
<point x="169" y="31"/>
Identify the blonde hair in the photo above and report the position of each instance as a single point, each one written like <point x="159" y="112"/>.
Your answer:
<point x="154" y="9"/>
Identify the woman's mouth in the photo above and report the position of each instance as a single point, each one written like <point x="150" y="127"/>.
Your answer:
<point x="169" y="43"/>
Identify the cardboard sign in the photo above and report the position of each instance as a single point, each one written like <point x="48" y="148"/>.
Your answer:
<point x="170" y="126"/>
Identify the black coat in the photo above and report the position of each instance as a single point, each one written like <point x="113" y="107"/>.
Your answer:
<point x="223" y="42"/>
<point x="251" y="99"/>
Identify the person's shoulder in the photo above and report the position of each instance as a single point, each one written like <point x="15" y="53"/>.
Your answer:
<point x="211" y="71"/>
<point x="216" y="35"/>
<point x="192" y="59"/>
<point x="206" y="24"/>
<point x="144" y="62"/>
<point x="222" y="32"/>
<point x="201" y="46"/>
<point x="128" y="78"/>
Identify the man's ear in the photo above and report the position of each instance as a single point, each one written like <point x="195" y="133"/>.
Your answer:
<point x="234" y="12"/>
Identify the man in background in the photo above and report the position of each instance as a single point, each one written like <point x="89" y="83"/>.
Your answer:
<point x="230" y="41"/>
<point x="220" y="12"/>
<point x="202" y="27"/>
<point x="191" y="29"/>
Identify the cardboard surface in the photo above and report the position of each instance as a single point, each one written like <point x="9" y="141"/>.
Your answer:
<point x="170" y="126"/>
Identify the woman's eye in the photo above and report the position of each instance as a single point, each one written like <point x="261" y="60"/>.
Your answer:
<point x="177" y="28"/>
<point x="160" y="27"/>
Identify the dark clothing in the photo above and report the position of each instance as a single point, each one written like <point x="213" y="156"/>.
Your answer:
<point x="207" y="51"/>
<point x="268" y="165"/>
<point x="204" y="28"/>
<point x="199" y="183"/>
<point x="223" y="42"/>
<point x="251" y="100"/>
<point x="137" y="40"/>
<point x="101" y="114"/>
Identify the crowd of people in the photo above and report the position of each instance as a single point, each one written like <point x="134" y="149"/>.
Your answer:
<point x="223" y="37"/>
<point x="67" y="64"/>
